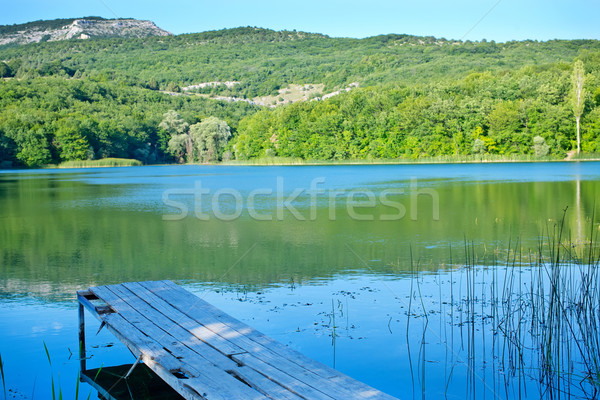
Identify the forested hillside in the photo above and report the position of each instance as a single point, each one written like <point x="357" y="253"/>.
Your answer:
<point x="483" y="113"/>
<point x="417" y="96"/>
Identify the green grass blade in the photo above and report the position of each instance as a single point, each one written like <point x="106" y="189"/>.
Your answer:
<point x="53" y="391"/>
<point x="2" y="376"/>
<point x="77" y="386"/>
<point x="51" y="375"/>
<point x="47" y="354"/>
<point x="98" y="373"/>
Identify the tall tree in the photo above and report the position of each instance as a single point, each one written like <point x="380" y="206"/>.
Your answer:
<point x="210" y="137"/>
<point x="181" y="142"/>
<point x="70" y="141"/>
<point x="578" y="97"/>
<point x="33" y="147"/>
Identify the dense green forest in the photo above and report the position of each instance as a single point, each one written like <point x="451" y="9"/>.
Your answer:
<point x="418" y="97"/>
<point x="483" y="113"/>
<point x="52" y="119"/>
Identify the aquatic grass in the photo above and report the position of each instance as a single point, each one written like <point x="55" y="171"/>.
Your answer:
<point x="2" y="376"/>
<point x="104" y="162"/>
<point x="269" y="161"/>
<point x="535" y="319"/>
<point x="586" y="156"/>
<point x="52" y="376"/>
<point x="77" y="386"/>
<point x="442" y="159"/>
<point x="58" y="387"/>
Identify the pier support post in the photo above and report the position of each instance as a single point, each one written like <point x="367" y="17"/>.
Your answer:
<point x="82" y="363"/>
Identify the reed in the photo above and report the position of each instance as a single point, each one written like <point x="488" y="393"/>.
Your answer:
<point x="535" y="318"/>
<point x="269" y="161"/>
<point x="443" y="159"/>
<point x="2" y="376"/>
<point x="104" y="162"/>
<point x="60" y="396"/>
<point x="56" y="389"/>
<point x="586" y="156"/>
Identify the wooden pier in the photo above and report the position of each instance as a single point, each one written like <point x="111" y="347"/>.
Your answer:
<point x="203" y="353"/>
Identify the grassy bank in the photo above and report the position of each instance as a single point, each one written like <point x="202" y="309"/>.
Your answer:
<point x="586" y="157"/>
<point x="105" y="162"/>
<point x="454" y="159"/>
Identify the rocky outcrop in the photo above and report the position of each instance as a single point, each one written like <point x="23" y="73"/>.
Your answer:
<point x="228" y="84"/>
<point x="83" y="29"/>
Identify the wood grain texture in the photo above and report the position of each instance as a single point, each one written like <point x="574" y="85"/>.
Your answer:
<point x="204" y="353"/>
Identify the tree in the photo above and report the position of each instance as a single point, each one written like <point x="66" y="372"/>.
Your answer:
<point x="70" y="142"/>
<point x="177" y="146"/>
<point x="33" y="148"/>
<point x="478" y="147"/>
<point x="540" y="147"/>
<point x="578" y="97"/>
<point x="173" y="87"/>
<point x="152" y="84"/>
<point x="210" y="137"/>
<point x="180" y="144"/>
<point x="173" y="123"/>
<point x="5" y="71"/>
<point x="506" y="128"/>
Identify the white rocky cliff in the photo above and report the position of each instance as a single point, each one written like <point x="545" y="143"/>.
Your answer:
<point x="85" y="29"/>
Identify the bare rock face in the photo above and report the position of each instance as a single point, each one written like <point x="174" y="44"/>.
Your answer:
<point x="83" y="29"/>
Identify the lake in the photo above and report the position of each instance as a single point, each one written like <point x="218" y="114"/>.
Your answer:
<point x="326" y="259"/>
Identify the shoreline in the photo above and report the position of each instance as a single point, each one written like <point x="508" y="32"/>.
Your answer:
<point x="299" y="162"/>
<point x="403" y="162"/>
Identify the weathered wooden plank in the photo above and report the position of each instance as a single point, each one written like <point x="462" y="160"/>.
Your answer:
<point x="198" y="330"/>
<point x="194" y="307"/>
<point x="215" y="390"/>
<point x="170" y="326"/>
<point x="241" y="333"/>
<point x="344" y="383"/>
<point x="175" y="330"/>
<point x="298" y="371"/>
<point x="297" y="379"/>
<point x="284" y="379"/>
<point x="251" y="377"/>
<point x="153" y="355"/>
<point x="212" y="382"/>
<point x="264" y="385"/>
<point x="137" y="342"/>
<point x="361" y="390"/>
<point x="249" y="332"/>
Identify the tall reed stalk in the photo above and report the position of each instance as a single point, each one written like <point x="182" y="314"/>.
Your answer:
<point x="536" y="318"/>
<point x="2" y="377"/>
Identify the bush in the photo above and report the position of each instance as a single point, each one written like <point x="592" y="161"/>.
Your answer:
<point x="478" y="147"/>
<point x="540" y="147"/>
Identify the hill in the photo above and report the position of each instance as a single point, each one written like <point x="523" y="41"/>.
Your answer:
<point x="263" y="61"/>
<point x="83" y="28"/>
<point x="393" y="96"/>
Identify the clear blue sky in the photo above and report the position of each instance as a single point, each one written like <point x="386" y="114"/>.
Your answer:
<point x="499" y="20"/>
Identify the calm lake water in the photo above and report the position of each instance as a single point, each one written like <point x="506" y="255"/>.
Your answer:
<point x="287" y="250"/>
